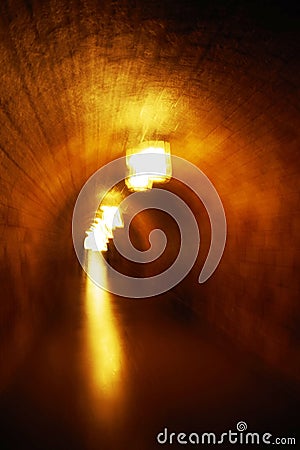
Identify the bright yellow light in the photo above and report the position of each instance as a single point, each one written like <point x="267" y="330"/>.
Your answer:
<point x="148" y="163"/>
<point x="102" y="337"/>
<point x="139" y="182"/>
<point x="111" y="217"/>
<point x="102" y="228"/>
<point x="95" y="241"/>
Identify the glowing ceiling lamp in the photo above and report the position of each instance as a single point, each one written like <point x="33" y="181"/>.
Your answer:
<point x="111" y="218"/>
<point x="102" y="228"/>
<point x="96" y="240"/>
<point x="148" y="163"/>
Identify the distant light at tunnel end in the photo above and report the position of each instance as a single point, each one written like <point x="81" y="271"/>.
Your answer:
<point x="105" y="220"/>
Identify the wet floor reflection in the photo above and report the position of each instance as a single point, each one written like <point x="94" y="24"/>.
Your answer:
<point x="103" y="342"/>
<point x="102" y="364"/>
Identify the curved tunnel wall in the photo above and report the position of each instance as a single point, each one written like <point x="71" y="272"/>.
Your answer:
<point x="81" y="81"/>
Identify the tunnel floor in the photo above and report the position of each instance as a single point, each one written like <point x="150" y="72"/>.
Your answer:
<point x="112" y="373"/>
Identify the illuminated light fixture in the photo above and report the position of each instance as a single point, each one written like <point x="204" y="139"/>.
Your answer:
<point x="139" y="182"/>
<point x="111" y="218"/>
<point x="96" y="241"/>
<point x="148" y="163"/>
<point x="102" y="228"/>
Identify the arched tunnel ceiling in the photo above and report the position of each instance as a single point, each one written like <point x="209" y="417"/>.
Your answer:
<point x="80" y="81"/>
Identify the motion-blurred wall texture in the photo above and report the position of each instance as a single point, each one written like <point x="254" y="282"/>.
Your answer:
<point x="82" y="80"/>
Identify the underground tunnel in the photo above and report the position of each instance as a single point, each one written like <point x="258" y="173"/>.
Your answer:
<point x="81" y="82"/>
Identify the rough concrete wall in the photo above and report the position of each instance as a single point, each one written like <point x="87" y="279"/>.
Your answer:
<point x="82" y="80"/>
